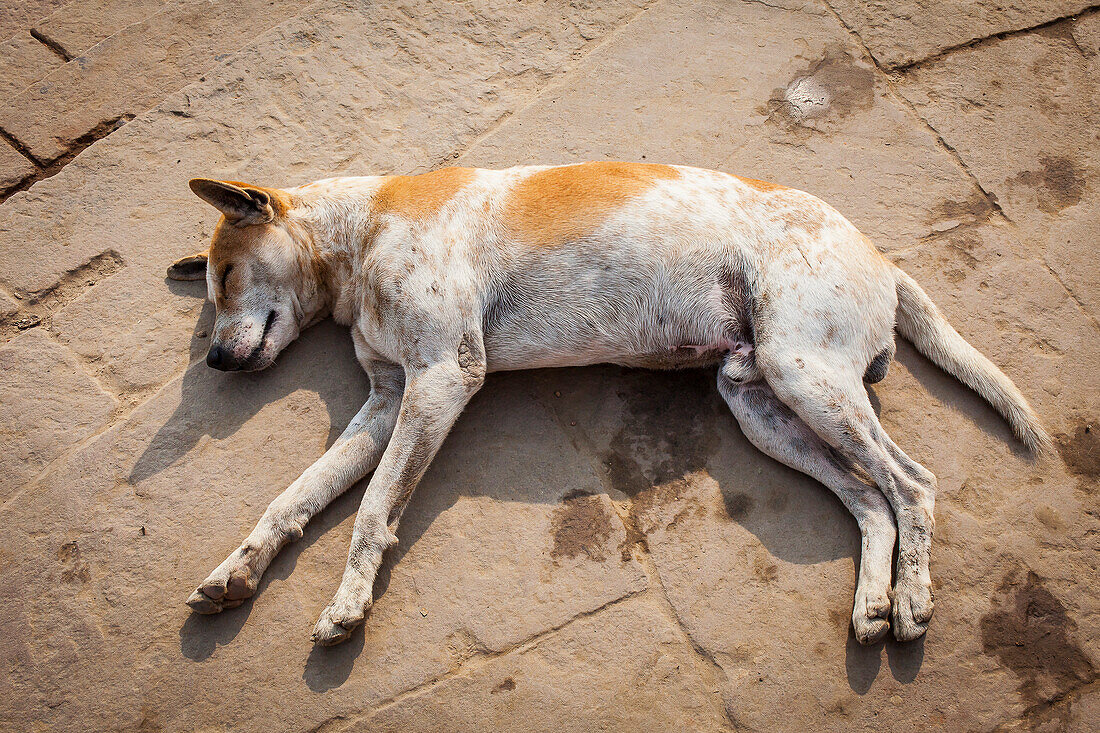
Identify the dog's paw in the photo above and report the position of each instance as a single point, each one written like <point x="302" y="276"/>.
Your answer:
<point x="912" y="610"/>
<point x="336" y="624"/>
<point x="870" y="618"/>
<point x="227" y="587"/>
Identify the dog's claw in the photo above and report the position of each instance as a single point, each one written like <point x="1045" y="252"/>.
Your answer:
<point x="202" y="603"/>
<point x="334" y="627"/>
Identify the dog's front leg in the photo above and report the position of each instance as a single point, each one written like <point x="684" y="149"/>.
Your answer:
<point x="354" y="454"/>
<point x="434" y="397"/>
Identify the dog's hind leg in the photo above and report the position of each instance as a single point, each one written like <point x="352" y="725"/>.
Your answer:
<point x="834" y="403"/>
<point x="354" y="454"/>
<point x="777" y="431"/>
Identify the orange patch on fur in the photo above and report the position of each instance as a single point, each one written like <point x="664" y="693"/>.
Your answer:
<point x="421" y="196"/>
<point x="761" y="185"/>
<point x="565" y="203"/>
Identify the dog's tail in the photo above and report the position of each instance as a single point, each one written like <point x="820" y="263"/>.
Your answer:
<point x="921" y="322"/>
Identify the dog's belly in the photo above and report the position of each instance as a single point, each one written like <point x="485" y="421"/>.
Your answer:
<point x="505" y="353"/>
<point x="568" y="322"/>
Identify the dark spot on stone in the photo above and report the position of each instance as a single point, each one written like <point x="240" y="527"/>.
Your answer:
<point x="1081" y="453"/>
<point x="664" y="435"/>
<point x="738" y="506"/>
<point x="581" y="524"/>
<point x="507" y="685"/>
<point x="830" y="89"/>
<point x="766" y="572"/>
<point x="1058" y="184"/>
<point x="1029" y="632"/>
<point x="949" y="213"/>
<point x="74" y="569"/>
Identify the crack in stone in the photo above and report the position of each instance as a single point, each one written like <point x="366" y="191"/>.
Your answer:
<point x="889" y="74"/>
<point x="479" y="659"/>
<point x="40" y="305"/>
<point x="48" y="169"/>
<point x="51" y="44"/>
<point x="993" y="37"/>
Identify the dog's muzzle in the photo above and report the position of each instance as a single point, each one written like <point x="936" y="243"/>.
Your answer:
<point x="220" y="358"/>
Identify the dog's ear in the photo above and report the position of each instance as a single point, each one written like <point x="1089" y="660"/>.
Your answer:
<point x="240" y="203"/>
<point x="189" y="268"/>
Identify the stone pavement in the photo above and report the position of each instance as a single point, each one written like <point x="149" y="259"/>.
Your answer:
<point x="594" y="549"/>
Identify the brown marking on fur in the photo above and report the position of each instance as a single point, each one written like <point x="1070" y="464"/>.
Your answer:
<point x="422" y="196"/>
<point x="566" y="203"/>
<point x="759" y="185"/>
<point x="230" y="241"/>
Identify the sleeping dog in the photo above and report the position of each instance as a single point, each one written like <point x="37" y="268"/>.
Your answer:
<point x="446" y="276"/>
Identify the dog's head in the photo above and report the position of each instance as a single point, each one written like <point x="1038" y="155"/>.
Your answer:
<point x="260" y="271"/>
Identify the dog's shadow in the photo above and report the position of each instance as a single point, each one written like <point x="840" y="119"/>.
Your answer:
<point x="667" y="426"/>
<point x="216" y="404"/>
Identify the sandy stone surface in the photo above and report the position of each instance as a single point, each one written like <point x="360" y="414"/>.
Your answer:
<point x="593" y="549"/>
<point x="23" y="61"/>
<point x="81" y="24"/>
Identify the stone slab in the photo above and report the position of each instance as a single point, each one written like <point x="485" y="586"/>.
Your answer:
<point x="81" y="24"/>
<point x="624" y="669"/>
<point x="136" y="330"/>
<point x="14" y="168"/>
<point x="1022" y="114"/>
<point x="23" y="61"/>
<point x="134" y="69"/>
<point x="901" y="32"/>
<point x="108" y="546"/>
<point x="47" y="405"/>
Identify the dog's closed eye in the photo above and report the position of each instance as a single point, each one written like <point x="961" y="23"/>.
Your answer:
<point x="225" y="275"/>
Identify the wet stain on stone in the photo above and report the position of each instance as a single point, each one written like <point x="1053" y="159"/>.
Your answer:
<point x="1081" y="453"/>
<point x="829" y="90"/>
<point x="1059" y="183"/>
<point x="507" y="685"/>
<point x="73" y="568"/>
<point x="666" y="436"/>
<point x="765" y="572"/>
<point x="839" y="618"/>
<point x="1028" y="631"/>
<point x="738" y="505"/>
<point x="581" y="525"/>
<point x="949" y="213"/>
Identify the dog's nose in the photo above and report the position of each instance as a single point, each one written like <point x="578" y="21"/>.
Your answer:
<point x="219" y="358"/>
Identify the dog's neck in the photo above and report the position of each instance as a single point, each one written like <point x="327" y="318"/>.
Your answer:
<point x="339" y="229"/>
